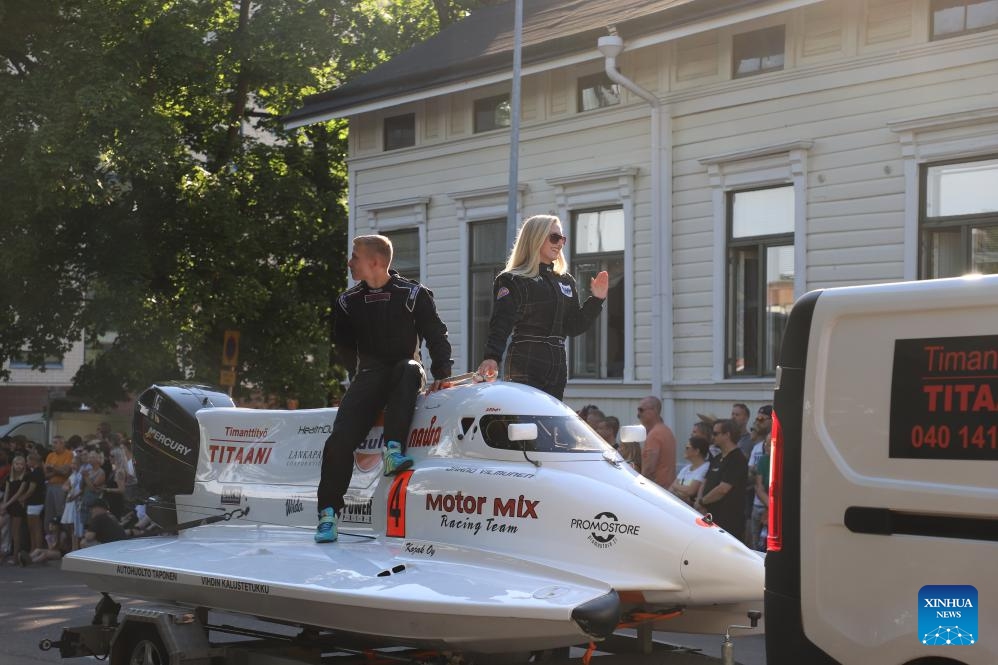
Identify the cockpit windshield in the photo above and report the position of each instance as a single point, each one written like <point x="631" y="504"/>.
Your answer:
<point x="555" y="434"/>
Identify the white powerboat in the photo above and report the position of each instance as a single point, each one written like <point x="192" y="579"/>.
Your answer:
<point x="517" y="529"/>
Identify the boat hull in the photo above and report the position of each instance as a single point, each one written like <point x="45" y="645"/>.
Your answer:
<point x="358" y="586"/>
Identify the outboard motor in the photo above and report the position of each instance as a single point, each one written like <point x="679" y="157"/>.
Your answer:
<point x="166" y="442"/>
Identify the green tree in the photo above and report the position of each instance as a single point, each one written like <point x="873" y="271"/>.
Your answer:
<point x="150" y="191"/>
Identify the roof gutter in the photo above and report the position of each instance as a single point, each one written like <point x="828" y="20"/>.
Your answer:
<point x="661" y="226"/>
<point x="719" y="15"/>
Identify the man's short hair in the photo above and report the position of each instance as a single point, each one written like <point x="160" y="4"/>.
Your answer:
<point x="743" y="407"/>
<point x="656" y="404"/>
<point x="727" y="426"/>
<point x="379" y="245"/>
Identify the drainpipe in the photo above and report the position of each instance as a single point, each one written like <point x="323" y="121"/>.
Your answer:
<point x="661" y="317"/>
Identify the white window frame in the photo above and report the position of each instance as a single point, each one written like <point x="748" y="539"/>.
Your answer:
<point x="470" y="206"/>
<point x="603" y="189"/>
<point x="754" y="168"/>
<point x="399" y="215"/>
<point x="954" y="136"/>
<point x="396" y="216"/>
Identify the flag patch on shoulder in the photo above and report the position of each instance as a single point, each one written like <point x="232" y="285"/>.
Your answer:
<point x="502" y="293"/>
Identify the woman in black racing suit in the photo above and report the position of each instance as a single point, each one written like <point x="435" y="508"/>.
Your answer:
<point x="536" y="300"/>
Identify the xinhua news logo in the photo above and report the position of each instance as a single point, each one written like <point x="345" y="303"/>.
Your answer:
<point x="947" y="615"/>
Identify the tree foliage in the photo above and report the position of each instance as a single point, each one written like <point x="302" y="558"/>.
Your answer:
<point x="150" y="193"/>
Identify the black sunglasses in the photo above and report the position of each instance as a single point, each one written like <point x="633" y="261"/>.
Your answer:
<point x="555" y="238"/>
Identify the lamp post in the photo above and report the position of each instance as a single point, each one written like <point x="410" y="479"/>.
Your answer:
<point x="514" y="126"/>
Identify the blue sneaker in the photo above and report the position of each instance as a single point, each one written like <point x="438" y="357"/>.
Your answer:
<point x="326" y="531"/>
<point x="395" y="461"/>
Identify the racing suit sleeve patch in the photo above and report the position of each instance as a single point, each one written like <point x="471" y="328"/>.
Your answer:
<point x="502" y="293"/>
<point x="410" y="302"/>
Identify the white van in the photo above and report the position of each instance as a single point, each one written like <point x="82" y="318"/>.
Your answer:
<point x="883" y="540"/>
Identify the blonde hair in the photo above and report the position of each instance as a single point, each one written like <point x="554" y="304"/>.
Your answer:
<point x="524" y="259"/>
<point x="378" y="245"/>
<point x="631" y="452"/>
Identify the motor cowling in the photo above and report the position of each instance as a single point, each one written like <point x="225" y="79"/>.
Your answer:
<point x="166" y="435"/>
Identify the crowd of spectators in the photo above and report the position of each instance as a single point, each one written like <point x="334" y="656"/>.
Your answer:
<point x="725" y="472"/>
<point x="72" y="494"/>
<point x="735" y="489"/>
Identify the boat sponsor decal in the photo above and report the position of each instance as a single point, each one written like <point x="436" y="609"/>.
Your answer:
<point x="159" y="441"/>
<point x="493" y="409"/>
<point x="374" y="440"/>
<point x="496" y="508"/>
<point x="419" y="549"/>
<point x="324" y="428"/>
<point x="604" y="528"/>
<point x="292" y="506"/>
<point x="238" y="455"/>
<point x="489" y="472"/>
<point x="234" y="585"/>
<point x="504" y="473"/>
<point x="146" y="573"/>
<point x="304" y="457"/>
<point x="489" y="525"/>
<point x="232" y="496"/>
<point x="519" y="507"/>
<point x="367" y="456"/>
<point x="246" y="432"/>
<point x="425" y="436"/>
<point x="461" y="469"/>
<point x="233" y="448"/>
<point x="356" y="513"/>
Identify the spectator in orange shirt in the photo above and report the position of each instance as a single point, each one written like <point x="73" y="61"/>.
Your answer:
<point x="56" y="470"/>
<point x="658" y="458"/>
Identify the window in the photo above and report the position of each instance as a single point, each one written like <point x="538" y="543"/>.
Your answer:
<point x="959" y="218"/>
<point x="405" y="252"/>
<point x="951" y="18"/>
<point x="597" y="239"/>
<point x="20" y="361"/>
<point x="597" y="91"/>
<point x="492" y="113"/>
<point x="555" y="434"/>
<point x="400" y="131"/>
<point x="758" y="52"/>
<point x="760" y="279"/>
<point x="487" y="258"/>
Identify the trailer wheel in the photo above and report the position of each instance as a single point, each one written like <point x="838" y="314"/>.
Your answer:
<point x="141" y="646"/>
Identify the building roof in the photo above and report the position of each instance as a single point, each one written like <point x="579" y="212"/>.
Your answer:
<point x="482" y="44"/>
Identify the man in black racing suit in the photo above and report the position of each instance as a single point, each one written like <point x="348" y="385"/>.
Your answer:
<point x="378" y="326"/>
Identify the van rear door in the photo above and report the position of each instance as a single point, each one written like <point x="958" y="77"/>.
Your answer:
<point x="887" y="400"/>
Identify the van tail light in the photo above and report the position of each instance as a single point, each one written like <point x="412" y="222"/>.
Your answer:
<point x="774" y="541"/>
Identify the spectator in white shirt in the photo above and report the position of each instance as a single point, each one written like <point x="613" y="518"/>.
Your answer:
<point x="690" y="477"/>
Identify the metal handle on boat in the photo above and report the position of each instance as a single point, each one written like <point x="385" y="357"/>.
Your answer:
<point x="461" y="379"/>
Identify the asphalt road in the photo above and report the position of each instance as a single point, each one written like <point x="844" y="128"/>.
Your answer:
<point x="38" y="602"/>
